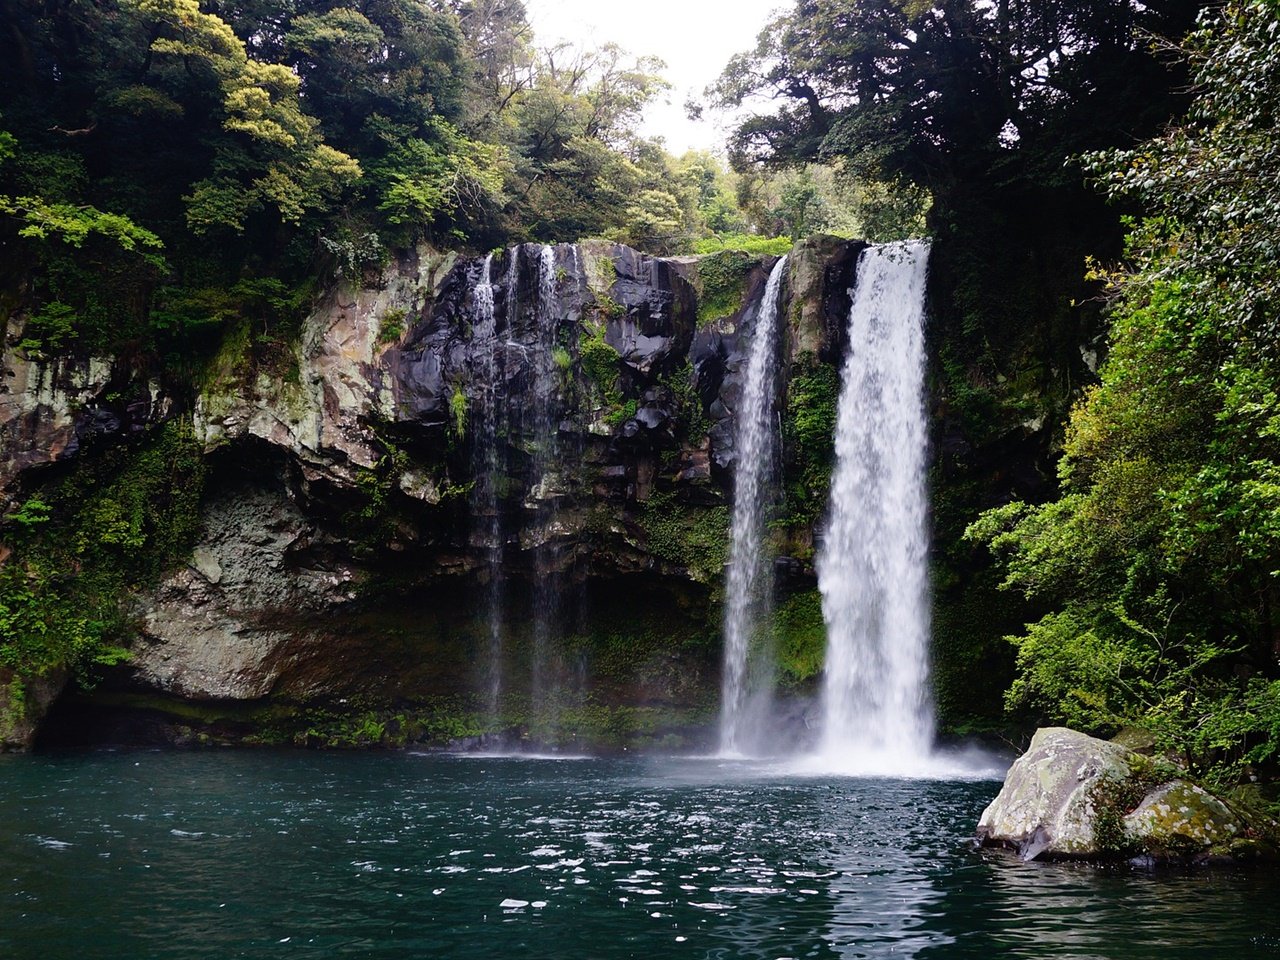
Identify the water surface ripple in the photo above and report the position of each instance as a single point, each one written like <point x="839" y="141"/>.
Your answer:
<point x="262" y="854"/>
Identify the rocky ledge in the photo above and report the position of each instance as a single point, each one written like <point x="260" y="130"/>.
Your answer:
<point x="473" y="496"/>
<point x="1075" y="797"/>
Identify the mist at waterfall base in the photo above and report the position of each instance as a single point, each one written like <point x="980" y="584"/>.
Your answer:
<point x="209" y="855"/>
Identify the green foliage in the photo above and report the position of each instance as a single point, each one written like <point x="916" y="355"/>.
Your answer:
<point x="1211" y="183"/>
<point x="352" y="253"/>
<point x="74" y="224"/>
<point x="1159" y="561"/>
<point x="601" y="364"/>
<point x="693" y="537"/>
<point x="458" y="409"/>
<point x="48" y="330"/>
<point x="754" y="244"/>
<point x="444" y="178"/>
<point x="722" y="282"/>
<point x="622" y="413"/>
<point x="690" y="413"/>
<point x="117" y="523"/>
<point x="808" y="432"/>
<point x="373" y="519"/>
<point x="800" y="637"/>
<point x="391" y="327"/>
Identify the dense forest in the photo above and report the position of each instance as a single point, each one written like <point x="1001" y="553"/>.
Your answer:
<point x="1097" y="178"/>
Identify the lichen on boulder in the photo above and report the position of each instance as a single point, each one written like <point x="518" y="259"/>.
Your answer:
<point x="1046" y="808"/>
<point x="1181" y="818"/>
<point x="1072" y="796"/>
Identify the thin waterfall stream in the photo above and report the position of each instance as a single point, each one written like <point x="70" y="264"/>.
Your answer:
<point x="872" y="563"/>
<point x="525" y="328"/>
<point x="489" y="464"/>
<point x="543" y="497"/>
<point x="750" y="581"/>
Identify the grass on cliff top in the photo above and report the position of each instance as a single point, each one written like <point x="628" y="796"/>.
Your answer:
<point x="752" y="243"/>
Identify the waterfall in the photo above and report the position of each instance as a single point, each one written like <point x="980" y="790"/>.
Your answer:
<point x="544" y="411"/>
<point x="489" y="462"/>
<point x="872" y="561"/>
<point x="750" y="581"/>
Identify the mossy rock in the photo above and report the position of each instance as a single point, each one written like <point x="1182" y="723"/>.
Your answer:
<point x="722" y="284"/>
<point x="1071" y="796"/>
<point x="1179" y="818"/>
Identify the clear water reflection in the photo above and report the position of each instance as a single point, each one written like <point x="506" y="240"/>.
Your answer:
<point x="246" y="854"/>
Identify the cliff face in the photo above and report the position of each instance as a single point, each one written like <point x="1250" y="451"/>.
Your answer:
<point x="482" y="497"/>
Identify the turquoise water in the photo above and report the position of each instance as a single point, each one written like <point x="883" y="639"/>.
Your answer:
<point x="264" y="854"/>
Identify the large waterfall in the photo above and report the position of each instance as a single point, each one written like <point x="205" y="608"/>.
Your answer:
<point x="877" y="715"/>
<point x="750" y="580"/>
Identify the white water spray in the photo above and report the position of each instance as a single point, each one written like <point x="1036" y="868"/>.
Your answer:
<point x="872" y="564"/>
<point x="749" y="581"/>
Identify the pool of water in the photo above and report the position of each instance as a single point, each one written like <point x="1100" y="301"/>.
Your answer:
<point x="264" y="854"/>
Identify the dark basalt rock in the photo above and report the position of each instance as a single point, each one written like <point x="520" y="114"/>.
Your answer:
<point x="342" y="556"/>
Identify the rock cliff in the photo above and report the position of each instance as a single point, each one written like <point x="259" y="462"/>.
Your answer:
<point x="480" y="497"/>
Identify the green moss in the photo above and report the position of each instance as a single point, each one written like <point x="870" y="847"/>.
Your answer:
<point x="372" y="521"/>
<point x="14" y="714"/>
<point x="745" y="243"/>
<point x="808" y="432"/>
<point x="602" y="726"/>
<point x="694" y="537"/>
<point x="458" y="410"/>
<point x="601" y="365"/>
<point x="691" y="417"/>
<point x="116" y="523"/>
<point x="800" y="637"/>
<point x="621" y="413"/>
<point x="606" y="270"/>
<point x="1113" y="799"/>
<point x="722" y="284"/>
<point x="230" y="364"/>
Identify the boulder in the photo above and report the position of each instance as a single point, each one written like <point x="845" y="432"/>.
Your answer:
<point x="1072" y="796"/>
<point x="1181" y="818"/>
<point x="1046" y="807"/>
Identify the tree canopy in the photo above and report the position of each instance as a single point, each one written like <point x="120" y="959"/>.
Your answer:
<point x="1159" y="562"/>
<point x="210" y="160"/>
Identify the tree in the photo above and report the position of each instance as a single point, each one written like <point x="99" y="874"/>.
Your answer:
<point x="1159" y="560"/>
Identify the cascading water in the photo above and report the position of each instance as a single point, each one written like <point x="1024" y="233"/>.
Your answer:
<point x="514" y="339"/>
<point x="543" y="409"/>
<point x="488" y="468"/>
<point x="872" y="562"/>
<point x="750" y="578"/>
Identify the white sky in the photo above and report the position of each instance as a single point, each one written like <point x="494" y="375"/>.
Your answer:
<point x="696" y="38"/>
